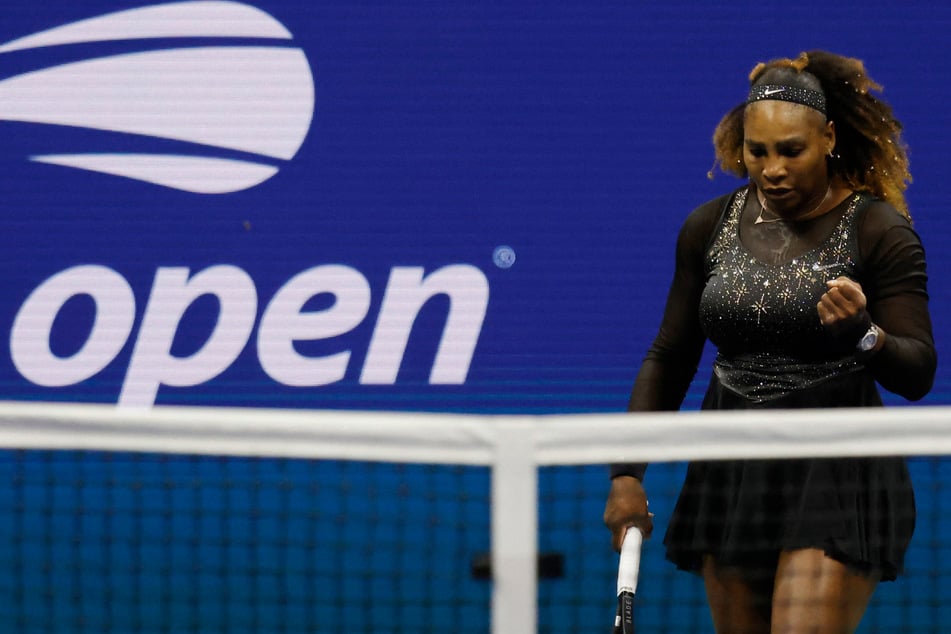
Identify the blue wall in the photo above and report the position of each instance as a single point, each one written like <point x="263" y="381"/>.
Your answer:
<point x="442" y="140"/>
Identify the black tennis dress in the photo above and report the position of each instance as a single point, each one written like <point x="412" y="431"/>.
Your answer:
<point x="751" y="288"/>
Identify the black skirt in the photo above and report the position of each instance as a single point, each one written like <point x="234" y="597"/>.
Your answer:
<point x="860" y="511"/>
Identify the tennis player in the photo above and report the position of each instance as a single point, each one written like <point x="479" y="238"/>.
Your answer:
<point x="811" y="283"/>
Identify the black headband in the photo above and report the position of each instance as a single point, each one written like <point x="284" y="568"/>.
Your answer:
<point x="804" y="96"/>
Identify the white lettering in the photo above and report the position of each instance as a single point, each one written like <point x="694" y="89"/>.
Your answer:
<point x="406" y="292"/>
<point x="284" y="322"/>
<point x="152" y="363"/>
<point x="33" y="325"/>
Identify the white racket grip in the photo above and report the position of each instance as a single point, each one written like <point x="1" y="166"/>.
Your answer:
<point x="630" y="562"/>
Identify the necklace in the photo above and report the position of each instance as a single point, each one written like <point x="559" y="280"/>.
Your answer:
<point x="762" y="208"/>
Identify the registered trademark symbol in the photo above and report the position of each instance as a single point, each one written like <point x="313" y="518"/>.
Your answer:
<point x="503" y="256"/>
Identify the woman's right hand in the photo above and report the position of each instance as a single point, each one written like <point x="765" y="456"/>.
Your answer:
<point x="626" y="507"/>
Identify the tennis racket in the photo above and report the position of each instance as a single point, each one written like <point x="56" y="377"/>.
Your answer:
<point x="627" y="571"/>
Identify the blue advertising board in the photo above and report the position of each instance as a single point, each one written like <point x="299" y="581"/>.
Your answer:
<point x="464" y="207"/>
<point x="426" y="206"/>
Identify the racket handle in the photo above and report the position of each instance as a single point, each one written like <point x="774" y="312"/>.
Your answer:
<point x="630" y="562"/>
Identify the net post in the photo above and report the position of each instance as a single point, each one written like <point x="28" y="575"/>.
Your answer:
<point x="514" y="530"/>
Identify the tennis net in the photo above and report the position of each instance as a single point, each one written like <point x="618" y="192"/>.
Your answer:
<point x="243" y="520"/>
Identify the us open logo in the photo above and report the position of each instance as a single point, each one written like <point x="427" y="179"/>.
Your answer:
<point x="236" y="112"/>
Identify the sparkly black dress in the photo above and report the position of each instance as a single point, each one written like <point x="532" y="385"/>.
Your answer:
<point x="752" y="289"/>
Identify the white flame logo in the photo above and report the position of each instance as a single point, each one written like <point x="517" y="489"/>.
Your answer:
<point x="253" y="99"/>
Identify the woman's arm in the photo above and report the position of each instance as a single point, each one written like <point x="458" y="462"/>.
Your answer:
<point x="671" y="362"/>
<point x="895" y="285"/>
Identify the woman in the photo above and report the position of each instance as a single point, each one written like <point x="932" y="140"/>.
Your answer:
<point x="811" y="283"/>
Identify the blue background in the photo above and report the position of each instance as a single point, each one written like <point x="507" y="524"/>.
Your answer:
<point x="578" y="133"/>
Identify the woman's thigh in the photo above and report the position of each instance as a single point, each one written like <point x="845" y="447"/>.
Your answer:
<point x="740" y="597"/>
<point x="816" y="594"/>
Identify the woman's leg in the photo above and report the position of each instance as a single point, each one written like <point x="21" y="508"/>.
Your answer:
<point x="815" y="594"/>
<point x="739" y="597"/>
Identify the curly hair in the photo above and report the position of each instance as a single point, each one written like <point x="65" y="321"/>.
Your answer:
<point x="869" y="154"/>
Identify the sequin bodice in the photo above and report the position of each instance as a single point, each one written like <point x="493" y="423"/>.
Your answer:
<point x="762" y="317"/>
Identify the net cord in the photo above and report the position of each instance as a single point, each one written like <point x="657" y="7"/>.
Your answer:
<point x="513" y="447"/>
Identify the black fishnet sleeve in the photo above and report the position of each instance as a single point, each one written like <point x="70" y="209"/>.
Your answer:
<point x="895" y="283"/>
<point x="671" y="362"/>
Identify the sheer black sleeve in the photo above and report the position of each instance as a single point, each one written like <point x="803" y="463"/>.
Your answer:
<point x="895" y="283"/>
<point x="671" y="362"/>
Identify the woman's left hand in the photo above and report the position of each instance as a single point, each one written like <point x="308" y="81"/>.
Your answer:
<point x="843" y="307"/>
